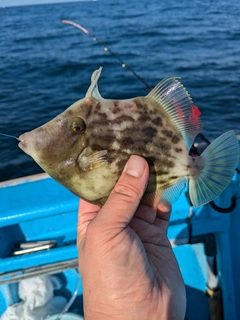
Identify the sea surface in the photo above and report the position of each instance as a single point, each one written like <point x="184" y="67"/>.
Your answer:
<point x="46" y="65"/>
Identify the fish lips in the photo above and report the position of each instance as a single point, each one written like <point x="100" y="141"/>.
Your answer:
<point x="22" y="144"/>
<point x="26" y="145"/>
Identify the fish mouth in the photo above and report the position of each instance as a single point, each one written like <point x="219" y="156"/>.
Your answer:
<point x="22" y="144"/>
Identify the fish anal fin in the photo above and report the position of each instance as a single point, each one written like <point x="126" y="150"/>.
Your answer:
<point x="90" y="161"/>
<point x="152" y="199"/>
<point x="170" y="194"/>
<point x="171" y="96"/>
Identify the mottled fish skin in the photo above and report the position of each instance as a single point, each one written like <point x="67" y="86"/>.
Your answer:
<point x="122" y="127"/>
<point x="87" y="146"/>
<point x="136" y="126"/>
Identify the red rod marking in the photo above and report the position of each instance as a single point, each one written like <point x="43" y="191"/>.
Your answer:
<point x="124" y="65"/>
<point x="76" y="25"/>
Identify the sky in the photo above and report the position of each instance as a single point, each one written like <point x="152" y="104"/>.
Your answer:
<point x="7" y="3"/>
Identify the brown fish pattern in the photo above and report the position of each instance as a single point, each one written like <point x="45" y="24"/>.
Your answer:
<point x="87" y="146"/>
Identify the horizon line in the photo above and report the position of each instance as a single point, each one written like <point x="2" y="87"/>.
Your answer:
<point x="41" y="2"/>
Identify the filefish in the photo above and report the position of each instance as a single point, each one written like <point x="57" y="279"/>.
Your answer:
<point x="86" y="147"/>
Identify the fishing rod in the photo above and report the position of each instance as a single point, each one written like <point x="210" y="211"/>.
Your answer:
<point x="124" y="64"/>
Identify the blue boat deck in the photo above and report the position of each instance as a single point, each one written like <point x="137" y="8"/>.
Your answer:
<point x="37" y="208"/>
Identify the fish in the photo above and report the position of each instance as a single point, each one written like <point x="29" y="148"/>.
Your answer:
<point x="86" y="147"/>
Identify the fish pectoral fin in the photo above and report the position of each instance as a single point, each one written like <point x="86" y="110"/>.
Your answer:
<point x="170" y="194"/>
<point x="93" y="160"/>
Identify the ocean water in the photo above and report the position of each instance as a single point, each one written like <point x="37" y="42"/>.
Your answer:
<point x="46" y="65"/>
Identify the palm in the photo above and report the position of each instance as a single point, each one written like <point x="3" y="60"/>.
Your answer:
<point x="139" y="261"/>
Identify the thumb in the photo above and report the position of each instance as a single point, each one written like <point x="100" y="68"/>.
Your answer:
<point x="126" y="195"/>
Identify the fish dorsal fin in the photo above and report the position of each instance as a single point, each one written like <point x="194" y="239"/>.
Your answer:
<point x="93" y="89"/>
<point x="175" y="100"/>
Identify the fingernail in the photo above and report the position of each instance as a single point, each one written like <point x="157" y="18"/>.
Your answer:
<point x="135" y="166"/>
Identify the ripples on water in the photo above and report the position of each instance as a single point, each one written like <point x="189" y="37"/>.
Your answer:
<point x="46" y="65"/>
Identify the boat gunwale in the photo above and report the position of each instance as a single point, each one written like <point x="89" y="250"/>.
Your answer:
<point x="25" y="179"/>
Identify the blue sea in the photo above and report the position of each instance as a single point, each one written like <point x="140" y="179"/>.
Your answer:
<point x="46" y="65"/>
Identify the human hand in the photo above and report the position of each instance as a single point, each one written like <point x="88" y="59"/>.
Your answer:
<point x="127" y="264"/>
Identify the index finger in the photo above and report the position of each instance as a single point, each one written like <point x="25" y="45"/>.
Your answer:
<point x="86" y="213"/>
<point x="86" y="207"/>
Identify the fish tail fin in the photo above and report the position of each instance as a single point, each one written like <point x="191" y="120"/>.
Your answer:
<point x="218" y="161"/>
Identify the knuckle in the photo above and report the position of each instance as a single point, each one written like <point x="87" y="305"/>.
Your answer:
<point x="128" y="191"/>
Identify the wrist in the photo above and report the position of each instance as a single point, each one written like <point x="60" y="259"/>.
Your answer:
<point x="110" y="309"/>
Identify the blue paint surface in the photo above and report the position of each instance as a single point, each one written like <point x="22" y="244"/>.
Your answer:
<point x="37" y="208"/>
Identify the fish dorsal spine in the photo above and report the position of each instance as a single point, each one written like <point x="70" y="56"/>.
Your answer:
<point x="93" y="91"/>
<point x="171" y="95"/>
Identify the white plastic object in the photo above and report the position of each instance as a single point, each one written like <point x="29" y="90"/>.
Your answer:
<point x="38" y="300"/>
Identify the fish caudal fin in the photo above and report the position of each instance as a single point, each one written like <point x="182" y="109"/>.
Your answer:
<point x="220" y="160"/>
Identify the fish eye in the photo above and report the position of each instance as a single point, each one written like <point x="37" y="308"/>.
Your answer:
<point x="78" y="125"/>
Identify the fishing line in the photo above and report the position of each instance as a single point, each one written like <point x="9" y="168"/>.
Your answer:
<point x="123" y="64"/>
<point x="9" y="136"/>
